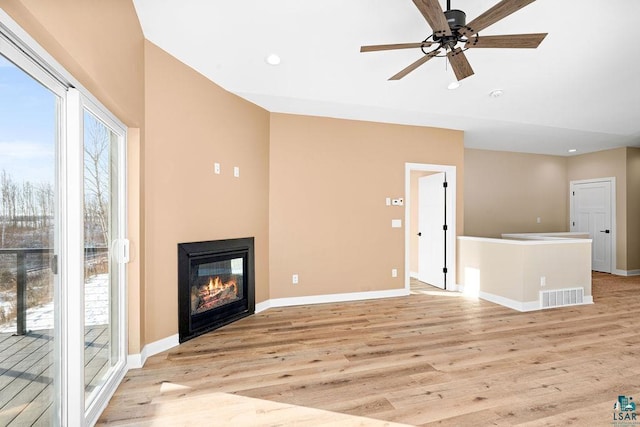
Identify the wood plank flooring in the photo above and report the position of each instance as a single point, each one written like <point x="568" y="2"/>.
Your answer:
<point x="431" y="357"/>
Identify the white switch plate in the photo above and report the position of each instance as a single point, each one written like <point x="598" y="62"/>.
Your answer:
<point x="294" y="279"/>
<point x="396" y="223"/>
<point x="216" y="168"/>
<point x="388" y="201"/>
<point x="543" y="281"/>
<point x="538" y="220"/>
<point x="397" y="202"/>
<point x="236" y="171"/>
<point x="394" y="272"/>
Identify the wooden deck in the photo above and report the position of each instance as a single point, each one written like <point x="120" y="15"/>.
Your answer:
<point x="426" y="358"/>
<point x="26" y="374"/>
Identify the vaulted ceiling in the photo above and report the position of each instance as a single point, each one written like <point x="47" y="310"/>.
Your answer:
<point x="580" y="89"/>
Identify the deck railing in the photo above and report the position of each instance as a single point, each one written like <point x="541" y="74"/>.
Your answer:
<point x="21" y="276"/>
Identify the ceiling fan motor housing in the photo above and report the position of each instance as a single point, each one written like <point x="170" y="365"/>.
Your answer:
<point x="456" y="18"/>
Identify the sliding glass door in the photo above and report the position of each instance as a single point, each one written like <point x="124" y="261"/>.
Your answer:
<point x="29" y="308"/>
<point x="103" y="234"/>
<point x="62" y="242"/>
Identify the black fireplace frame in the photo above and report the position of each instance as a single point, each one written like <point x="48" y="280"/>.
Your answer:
<point x="193" y="325"/>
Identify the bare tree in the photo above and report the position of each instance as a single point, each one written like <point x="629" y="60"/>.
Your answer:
<point x="9" y="198"/>
<point x="96" y="168"/>
<point x="44" y="200"/>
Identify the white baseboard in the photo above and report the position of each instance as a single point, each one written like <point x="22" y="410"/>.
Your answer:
<point x="522" y="306"/>
<point x="324" y="299"/>
<point x="626" y="272"/>
<point x="262" y="306"/>
<point x="455" y="288"/>
<point x="413" y="275"/>
<point x="136" y="361"/>
<point x="509" y="303"/>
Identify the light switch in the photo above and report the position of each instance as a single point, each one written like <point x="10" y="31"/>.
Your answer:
<point x="216" y="168"/>
<point x="236" y="171"/>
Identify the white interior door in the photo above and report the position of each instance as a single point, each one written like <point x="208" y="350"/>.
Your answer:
<point x="431" y="219"/>
<point x="591" y="212"/>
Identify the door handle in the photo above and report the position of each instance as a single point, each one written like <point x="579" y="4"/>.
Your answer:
<point x="605" y="231"/>
<point x="419" y="233"/>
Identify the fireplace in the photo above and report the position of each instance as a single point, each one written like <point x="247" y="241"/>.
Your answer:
<point x="216" y="284"/>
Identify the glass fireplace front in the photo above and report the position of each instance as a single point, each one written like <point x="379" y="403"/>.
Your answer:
<point x="215" y="284"/>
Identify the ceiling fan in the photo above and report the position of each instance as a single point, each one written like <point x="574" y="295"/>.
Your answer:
<point x="450" y="31"/>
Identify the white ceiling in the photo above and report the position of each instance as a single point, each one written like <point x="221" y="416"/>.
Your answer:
<point x="579" y="89"/>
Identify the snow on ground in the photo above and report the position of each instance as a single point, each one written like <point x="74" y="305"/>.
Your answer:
<point x="96" y="296"/>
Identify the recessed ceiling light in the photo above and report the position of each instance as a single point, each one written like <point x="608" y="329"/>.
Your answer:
<point x="496" y="93"/>
<point x="273" y="59"/>
<point x="572" y="150"/>
<point x="453" y="85"/>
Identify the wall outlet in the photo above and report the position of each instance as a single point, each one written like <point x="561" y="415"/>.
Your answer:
<point x="396" y="223"/>
<point x="397" y="202"/>
<point x="216" y="168"/>
<point x="394" y="272"/>
<point x="543" y="281"/>
<point x="236" y="171"/>
<point x="294" y="279"/>
<point x="538" y="220"/>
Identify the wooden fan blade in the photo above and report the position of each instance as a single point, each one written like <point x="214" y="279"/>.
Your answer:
<point x="493" y="15"/>
<point x="378" y="47"/>
<point x="415" y="65"/>
<point x="459" y="63"/>
<point x="434" y="15"/>
<point x="514" y="41"/>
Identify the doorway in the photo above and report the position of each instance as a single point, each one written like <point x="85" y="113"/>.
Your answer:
<point x="592" y="210"/>
<point x="439" y="243"/>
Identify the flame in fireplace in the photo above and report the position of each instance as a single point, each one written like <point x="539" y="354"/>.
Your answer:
<point x="215" y="285"/>
<point x="213" y="294"/>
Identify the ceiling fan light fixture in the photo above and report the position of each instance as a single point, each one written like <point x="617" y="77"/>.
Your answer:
<point x="572" y="150"/>
<point x="273" y="59"/>
<point x="496" y="93"/>
<point x="453" y="85"/>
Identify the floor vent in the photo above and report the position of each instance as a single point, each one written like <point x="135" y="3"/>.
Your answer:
<point x="561" y="297"/>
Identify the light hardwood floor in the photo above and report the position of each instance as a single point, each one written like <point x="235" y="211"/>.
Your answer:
<point x="426" y="358"/>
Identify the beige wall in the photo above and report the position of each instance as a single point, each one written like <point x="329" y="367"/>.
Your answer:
<point x="191" y="124"/>
<point x="506" y="192"/>
<point x="633" y="208"/>
<point x="329" y="179"/>
<point x="101" y="44"/>
<point x="604" y="164"/>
